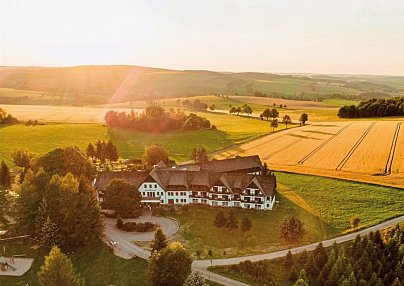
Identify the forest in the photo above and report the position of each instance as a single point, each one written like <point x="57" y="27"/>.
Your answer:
<point x="375" y="107"/>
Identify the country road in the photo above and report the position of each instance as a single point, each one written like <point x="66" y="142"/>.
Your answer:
<point x="202" y="265"/>
<point x="126" y="249"/>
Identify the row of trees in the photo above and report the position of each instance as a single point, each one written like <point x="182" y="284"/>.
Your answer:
<point x="241" y="109"/>
<point x="102" y="151"/>
<point x="155" y="119"/>
<point x="231" y="222"/>
<point x="7" y="118"/>
<point x="375" y="107"/>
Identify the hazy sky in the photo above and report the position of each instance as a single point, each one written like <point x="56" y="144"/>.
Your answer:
<point x="324" y="36"/>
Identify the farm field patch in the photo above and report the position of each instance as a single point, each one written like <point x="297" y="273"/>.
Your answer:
<point x="368" y="151"/>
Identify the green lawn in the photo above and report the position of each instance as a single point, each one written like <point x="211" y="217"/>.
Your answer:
<point x="324" y="205"/>
<point x="97" y="264"/>
<point x="42" y="138"/>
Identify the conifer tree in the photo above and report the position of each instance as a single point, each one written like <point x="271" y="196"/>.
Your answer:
<point x="246" y="224"/>
<point x="232" y="222"/>
<point x="160" y="241"/>
<point x="220" y="219"/>
<point x="5" y="175"/>
<point x="58" y="270"/>
<point x="288" y="261"/>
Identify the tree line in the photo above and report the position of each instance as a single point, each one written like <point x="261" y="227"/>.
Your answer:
<point x="375" y="107"/>
<point x="7" y="118"/>
<point x="156" y="119"/>
<point x="102" y="151"/>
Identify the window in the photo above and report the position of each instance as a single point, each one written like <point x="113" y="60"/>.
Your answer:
<point x="176" y="193"/>
<point x="176" y="200"/>
<point x="267" y="205"/>
<point x="155" y="185"/>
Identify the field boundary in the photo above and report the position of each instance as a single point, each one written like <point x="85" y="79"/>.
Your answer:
<point x="322" y="145"/>
<point x="389" y="163"/>
<point x="353" y="149"/>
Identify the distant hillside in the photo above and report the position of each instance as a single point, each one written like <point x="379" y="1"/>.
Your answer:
<point x="82" y="85"/>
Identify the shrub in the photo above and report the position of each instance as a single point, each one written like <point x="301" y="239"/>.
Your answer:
<point x="138" y="227"/>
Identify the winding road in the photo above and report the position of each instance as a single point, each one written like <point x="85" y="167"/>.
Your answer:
<point x="127" y="249"/>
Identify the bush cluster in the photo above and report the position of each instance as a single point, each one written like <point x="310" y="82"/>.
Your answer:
<point x="136" y="227"/>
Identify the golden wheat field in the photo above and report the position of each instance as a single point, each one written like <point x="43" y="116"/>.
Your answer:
<point x="368" y="151"/>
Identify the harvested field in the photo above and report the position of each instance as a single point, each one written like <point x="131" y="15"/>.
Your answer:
<point x="367" y="151"/>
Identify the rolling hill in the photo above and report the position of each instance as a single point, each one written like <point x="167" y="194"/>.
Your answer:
<point x="87" y="85"/>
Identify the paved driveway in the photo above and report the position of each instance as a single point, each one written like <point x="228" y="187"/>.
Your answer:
<point x="125" y="246"/>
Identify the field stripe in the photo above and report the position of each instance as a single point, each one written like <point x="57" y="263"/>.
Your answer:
<point x="348" y="156"/>
<point x="389" y="163"/>
<point x="322" y="145"/>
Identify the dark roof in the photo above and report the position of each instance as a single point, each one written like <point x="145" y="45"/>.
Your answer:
<point x="135" y="178"/>
<point x="233" y="164"/>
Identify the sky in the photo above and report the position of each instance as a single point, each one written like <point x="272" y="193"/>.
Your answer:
<point x="284" y="36"/>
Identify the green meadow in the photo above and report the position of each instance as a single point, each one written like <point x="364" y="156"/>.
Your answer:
<point x="96" y="263"/>
<point x="325" y="206"/>
<point x="43" y="138"/>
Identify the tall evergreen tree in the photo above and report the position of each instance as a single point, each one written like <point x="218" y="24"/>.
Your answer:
<point x="232" y="222"/>
<point x="90" y="151"/>
<point x="220" y="219"/>
<point x="160" y="241"/>
<point x="5" y="175"/>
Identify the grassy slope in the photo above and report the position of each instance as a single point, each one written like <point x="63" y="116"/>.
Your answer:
<point x="97" y="264"/>
<point x="232" y="130"/>
<point x="324" y="205"/>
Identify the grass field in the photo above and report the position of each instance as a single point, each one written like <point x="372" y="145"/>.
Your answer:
<point x="324" y="205"/>
<point x="42" y="138"/>
<point x="368" y="151"/>
<point x="96" y="263"/>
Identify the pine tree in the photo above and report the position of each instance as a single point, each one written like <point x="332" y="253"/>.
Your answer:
<point x="4" y="207"/>
<point x="49" y="233"/>
<point x="220" y="219"/>
<point x="303" y="257"/>
<point x="288" y="261"/>
<point x="293" y="276"/>
<point x="90" y="151"/>
<point x="160" y="241"/>
<point x="5" y="175"/>
<point x="232" y="222"/>
<point x="246" y="224"/>
<point x="111" y="151"/>
<point x="58" y="270"/>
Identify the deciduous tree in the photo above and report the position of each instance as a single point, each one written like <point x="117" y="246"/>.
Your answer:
<point x="153" y="154"/>
<point x="170" y="266"/>
<point x="58" y="270"/>
<point x="122" y="197"/>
